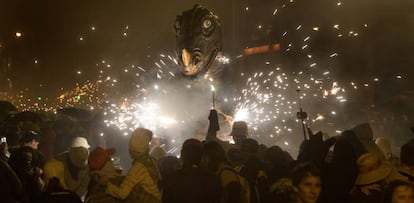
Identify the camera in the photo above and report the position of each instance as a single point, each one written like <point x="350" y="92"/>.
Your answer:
<point x="3" y="140"/>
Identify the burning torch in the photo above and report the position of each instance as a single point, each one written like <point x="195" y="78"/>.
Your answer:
<point x="213" y="96"/>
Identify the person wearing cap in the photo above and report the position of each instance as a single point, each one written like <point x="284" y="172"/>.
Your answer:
<point x="30" y="139"/>
<point x="143" y="176"/>
<point x="75" y="162"/>
<point x="28" y="162"/>
<point x="239" y="131"/>
<point x="101" y="170"/>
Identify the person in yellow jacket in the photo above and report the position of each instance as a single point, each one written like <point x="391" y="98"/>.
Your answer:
<point x="143" y="176"/>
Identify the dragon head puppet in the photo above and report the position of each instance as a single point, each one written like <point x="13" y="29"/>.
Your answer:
<point x="198" y="38"/>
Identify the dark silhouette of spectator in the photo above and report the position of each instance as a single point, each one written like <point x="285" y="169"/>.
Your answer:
<point x="26" y="162"/>
<point x="340" y="175"/>
<point x="364" y="133"/>
<point x="167" y="166"/>
<point x="254" y="170"/>
<point x="191" y="183"/>
<point x="30" y="139"/>
<point x="239" y="132"/>
<point x="315" y="148"/>
<point x="407" y="161"/>
<point x="10" y="188"/>
<point x="234" y="188"/>
<point x="277" y="163"/>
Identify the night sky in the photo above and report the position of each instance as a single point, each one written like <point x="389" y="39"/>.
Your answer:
<point x="60" y="39"/>
<point x="51" y="33"/>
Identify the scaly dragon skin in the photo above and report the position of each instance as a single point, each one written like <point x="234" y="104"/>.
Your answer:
<point x="198" y="37"/>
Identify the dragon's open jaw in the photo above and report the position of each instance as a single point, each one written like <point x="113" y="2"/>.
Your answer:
<point x="192" y="64"/>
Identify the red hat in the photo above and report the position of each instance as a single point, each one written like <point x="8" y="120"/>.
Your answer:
<point x="98" y="158"/>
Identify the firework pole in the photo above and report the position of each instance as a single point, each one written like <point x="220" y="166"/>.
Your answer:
<point x="301" y="115"/>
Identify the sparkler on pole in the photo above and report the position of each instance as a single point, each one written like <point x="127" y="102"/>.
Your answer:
<point x="301" y="115"/>
<point x="214" y="99"/>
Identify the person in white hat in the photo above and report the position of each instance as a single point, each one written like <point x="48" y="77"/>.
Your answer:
<point x="374" y="174"/>
<point x="75" y="162"/>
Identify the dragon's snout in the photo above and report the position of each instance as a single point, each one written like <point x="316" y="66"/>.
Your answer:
<point x="191" y="62"/>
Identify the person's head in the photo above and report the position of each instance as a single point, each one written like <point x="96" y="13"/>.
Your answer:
<point x="191" y="152"/>
<point x="98" y="158"/>
<point x="79" y="152"/>
<point x="139" y="143"/>
<point x="249" y="147"/>
<point x="23" y="160"/>
<point x="372" y="170"/>
<point x="158" y="152"/>
<point x="239" y="131"/>
<point x="274" y="156"/>
<point x="306" y="178"/>
<point x="168" y="165"/>
<point x="212" y="156"/>
<point x="364" y="131"/>
<point x="101" y="166"/>
<point x="30" y="139"/>
<point x="399" y="191"/>
<point x="406" y="154"/>
<point x="54" y="176"/>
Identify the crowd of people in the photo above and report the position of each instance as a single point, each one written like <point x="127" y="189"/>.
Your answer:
<point x="352" y="167"/>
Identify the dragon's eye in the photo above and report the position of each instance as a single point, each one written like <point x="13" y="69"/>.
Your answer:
<point x="207" y="23"/>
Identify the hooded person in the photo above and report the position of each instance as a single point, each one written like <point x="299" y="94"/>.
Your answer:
<point x="75" y="162"/>
<point x="142" y="178"/>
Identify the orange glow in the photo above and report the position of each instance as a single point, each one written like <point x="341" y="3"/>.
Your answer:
<point x="262" y="49"/>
